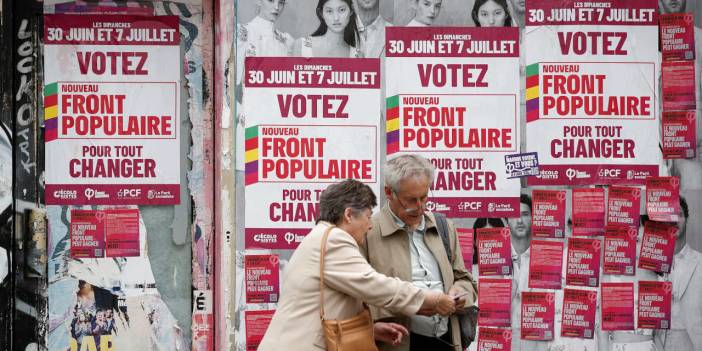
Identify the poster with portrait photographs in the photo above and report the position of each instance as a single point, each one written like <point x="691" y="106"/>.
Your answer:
<point x="356" y="29"/>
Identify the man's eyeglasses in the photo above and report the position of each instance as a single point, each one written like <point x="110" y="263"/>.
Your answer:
<point x="422" y="204"/>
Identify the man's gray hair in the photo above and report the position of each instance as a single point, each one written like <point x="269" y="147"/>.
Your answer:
<point x="406" y="167"/>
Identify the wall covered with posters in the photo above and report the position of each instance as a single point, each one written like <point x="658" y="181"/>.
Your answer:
<point x="115" y="261"/>
<point x="572" y="125"/>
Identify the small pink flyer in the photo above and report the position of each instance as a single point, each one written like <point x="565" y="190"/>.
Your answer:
<point x="578" y="318"/>
<point x="87" y="234"/>
<point x="257" y="323"/>
<point x="623" y="206"/>
<point x="677" y="36"/>
<point x="583" y="266"/>
<point x="495" y="302"/>
<point x="494" y="251"/>
<point x="546" y="264"/>
<point x="538" y="315"/>
<point x="122" y="233"/>
<point x="678" y="82"/>
<point x="465" y="241"/>
<point x="663" y="198"/>
<point x="679" y="134"/>
<point x="494" y="339"/>
<point x="261" y="278"/>
<point x="658" y="246"/>
<point x="549" y="213"/>
<point x="620" y="250"/>
<point x="588" y="211"/>
<point x="654" y="304"/>
<point x="617" y="306"/>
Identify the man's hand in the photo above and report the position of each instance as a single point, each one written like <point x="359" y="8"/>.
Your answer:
<point x="391" y="333"/>
<point x="437" y="302"/>
<point x="461" y="301"/>
<point x="445" y="305"/>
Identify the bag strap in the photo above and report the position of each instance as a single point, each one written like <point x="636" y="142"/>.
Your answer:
<point x="322" y="253"/>
<point x="442" y="228"/>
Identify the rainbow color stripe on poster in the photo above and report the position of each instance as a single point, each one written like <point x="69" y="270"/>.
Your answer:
<point x="532" y="92"/>
<point x="251" y="155"/>
<point x="50" y="112"/>
<point x="392" y="127"/>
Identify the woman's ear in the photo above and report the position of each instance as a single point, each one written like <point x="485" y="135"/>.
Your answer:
<point x="347" y="215"/>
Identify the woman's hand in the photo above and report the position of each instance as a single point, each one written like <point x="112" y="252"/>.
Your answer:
<point x="391" y="333"/>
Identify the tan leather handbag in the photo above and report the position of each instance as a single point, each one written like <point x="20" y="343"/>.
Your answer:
<point x="352" y="334"/>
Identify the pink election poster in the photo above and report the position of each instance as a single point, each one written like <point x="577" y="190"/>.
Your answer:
<point x="677" y="33"/>
<point x="262" y="281"/>
<point x="256" y="325"/>
<point x="658" y="246"/>
<point x="494" y="251"/>
<point x="578" y="317"/>
<point x="495" y="302"/>
<point x="623" y="206"/>
<point x="679" y="134"/>
<point x="583" y="265"/>
<point x="549" y="213"/>
<point x="663" y="198"/>
<point x="494" y="339"/>
<point x="105" y="233"/>
<point x="588" y="211"/>
<point x="122" y="233"/>
<point x="620" y="250"/>
<point x="545" y="265"/>
<point x="87" y="234"/>
<point x="538" y="310"/>
<point x="678" y="85"/>
<point x="465" y="241"/>
<point x="617" y="306"/>
<point x="654" y="304"/>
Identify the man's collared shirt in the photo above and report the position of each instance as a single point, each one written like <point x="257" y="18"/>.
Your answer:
<point x="676" y="274"/>
<point x="426" y="274"/>
<point x="520" y="283"/>
<point x="373" y="37"/>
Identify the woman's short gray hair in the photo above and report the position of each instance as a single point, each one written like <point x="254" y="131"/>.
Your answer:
<point x="405" y="167"/>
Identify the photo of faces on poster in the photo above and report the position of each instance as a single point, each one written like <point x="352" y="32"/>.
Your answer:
<point x="94" y="320"/>
<point x="354" y="28"/>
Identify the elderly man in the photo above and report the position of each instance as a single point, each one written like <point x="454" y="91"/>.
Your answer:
<point x="405" y="243"/>
<point x="371" y="27"/>
<point x="686" y="275"/>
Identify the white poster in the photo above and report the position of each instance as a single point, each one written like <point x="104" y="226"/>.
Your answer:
<point x="310" y="123"/>
<point x="111" y="99"/>
<point x="452" y="96"/>
<point x="591" y="106"/>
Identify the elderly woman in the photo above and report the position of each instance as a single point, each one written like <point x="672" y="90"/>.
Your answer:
<point x="337" y="34"/>
<point x="349" y="279"/>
